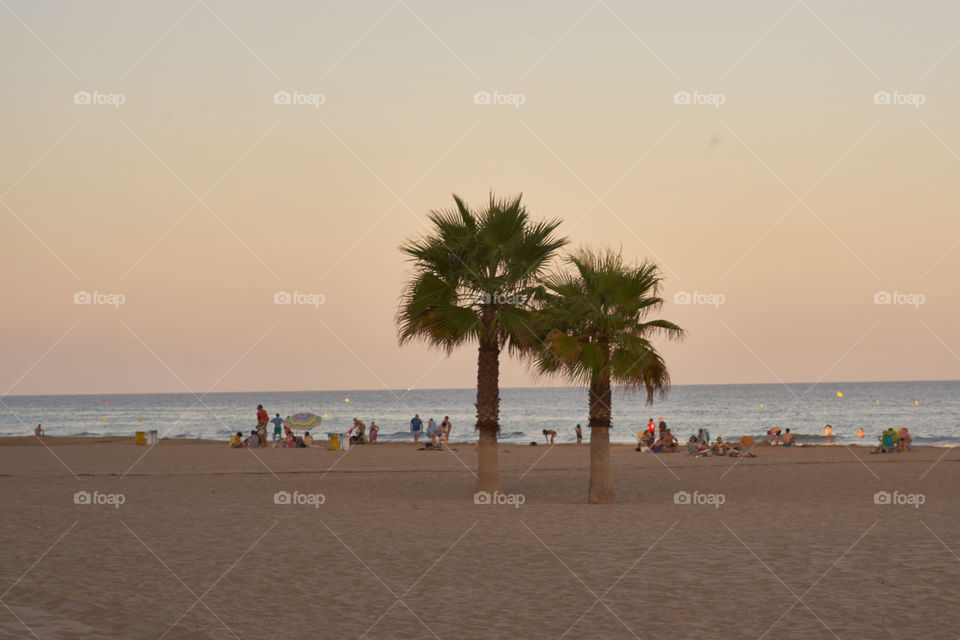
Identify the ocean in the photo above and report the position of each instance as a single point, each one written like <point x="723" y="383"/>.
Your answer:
<point x="930" y="409"/>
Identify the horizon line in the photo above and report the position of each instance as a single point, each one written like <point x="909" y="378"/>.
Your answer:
<point x="713" y="384"/>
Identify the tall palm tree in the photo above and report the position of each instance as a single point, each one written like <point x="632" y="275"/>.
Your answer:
<point x="596" y="331"/>
<point x="474" y="277"/>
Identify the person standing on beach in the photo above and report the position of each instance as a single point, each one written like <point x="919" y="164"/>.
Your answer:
<point x="415" y="425"/>
<point x="651" y="427"/>
<point x="432" y="431"/>
<point x="774" y="434"/>
<point x="579" y="434"/>
<point x="262" y="418"/>
<point x="445" y="427"/>
<point x="277" y="428"/>
<point x="549" y="435"/>
<point x="663" y="426"/>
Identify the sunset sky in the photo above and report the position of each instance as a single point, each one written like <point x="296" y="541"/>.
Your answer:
<point x="792" y="194"/>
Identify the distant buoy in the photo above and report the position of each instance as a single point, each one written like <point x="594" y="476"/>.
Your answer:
<point x="878" y="402"/>
<point x="106" y="402"/>
<point x="324" y="415"/>
<point x="104" y="419"/>
<point x="346" y="399"/>
<point x="761" y="405"/>
<point x="839" y="394"/>
<point x="916" y="402"/>
<point x="141" y="419"/>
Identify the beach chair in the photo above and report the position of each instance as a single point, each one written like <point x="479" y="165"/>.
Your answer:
<point x="888" y="441"/>
<point x="742" y="449"/>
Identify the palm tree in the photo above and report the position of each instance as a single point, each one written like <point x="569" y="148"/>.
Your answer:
<point x="596" y="332"/>
<point x="474" y="277"/>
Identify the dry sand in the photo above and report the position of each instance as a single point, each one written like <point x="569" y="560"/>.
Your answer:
<point x="199" y="549"/>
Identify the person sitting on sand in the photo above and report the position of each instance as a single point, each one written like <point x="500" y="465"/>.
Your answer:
<point x="774" y="434"/>
<point x="308" y="439"/>
<point x="253" y="440"/>
<point x="720" y="447"/>
<point x="905" y="439"/>
<point x="670" y="444"/>
<point x="549" y="435"/>
<point x="298" y="443"/>
<point x="38" y="431"/>
<point x="703" y="437"/>
<point x="374" y="430"/>
<point x="647" y="439"/>
<point x="695" y="448"/>
<point x="788" y="439"/>
<point x="236" y="441"/>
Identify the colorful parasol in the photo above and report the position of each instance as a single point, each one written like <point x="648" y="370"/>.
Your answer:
<point x="303" y="421"/>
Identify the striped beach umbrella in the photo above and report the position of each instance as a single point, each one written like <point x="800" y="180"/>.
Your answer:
<point x="303" y="421"/>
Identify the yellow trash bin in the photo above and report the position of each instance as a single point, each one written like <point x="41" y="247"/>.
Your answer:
<point x="141" y="438"/>
<point x="333" y="442"/>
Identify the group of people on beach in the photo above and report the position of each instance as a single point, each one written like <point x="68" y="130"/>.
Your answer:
<point x="657" y="438"/>
<point x="358" y="433"/>
<point x="439" y="435"/>
<point x="283" y="435"/>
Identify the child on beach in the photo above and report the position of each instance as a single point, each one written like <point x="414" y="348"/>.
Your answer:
<point x="374" y="430"/>
<point x="579" y="434"/>
<point x="788" y="439"/>
<point x="236" y="441"/>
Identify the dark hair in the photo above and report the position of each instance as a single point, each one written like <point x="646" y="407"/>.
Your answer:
<point x="788" y="430"/>
<point x="240" y="433"/>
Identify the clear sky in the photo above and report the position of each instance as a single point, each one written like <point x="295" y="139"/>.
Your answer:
<point x="784" y="189"/>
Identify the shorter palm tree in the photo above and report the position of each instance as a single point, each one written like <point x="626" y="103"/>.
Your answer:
<point x="595" y="330"/>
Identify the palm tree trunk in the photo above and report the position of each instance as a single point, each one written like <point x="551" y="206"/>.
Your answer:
<point x="488" y="409"/>
<point x="601" y="484"/>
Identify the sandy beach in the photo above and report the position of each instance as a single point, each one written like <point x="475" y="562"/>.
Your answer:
<point x="198" y="547"/>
